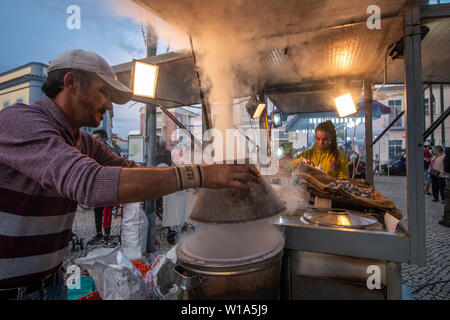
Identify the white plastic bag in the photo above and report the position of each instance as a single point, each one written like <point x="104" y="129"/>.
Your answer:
<point x="115" y="277"/>
<point x="134" y="231"/>
<point x="161" y="275"/>
<point x="174" y="209"/>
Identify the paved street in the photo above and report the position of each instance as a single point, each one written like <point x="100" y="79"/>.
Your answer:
<point x="429" y="282"/>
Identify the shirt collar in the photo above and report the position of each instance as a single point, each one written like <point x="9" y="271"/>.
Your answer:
<point x="57" y="114"/>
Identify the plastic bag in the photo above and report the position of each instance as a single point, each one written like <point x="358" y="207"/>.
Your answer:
<point x="115" y="276"/>
<point x="161" y="275"/>
<point x="134" y="231"/>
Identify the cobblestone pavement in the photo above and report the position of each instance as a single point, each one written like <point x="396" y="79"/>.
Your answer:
<point x="429" y="282"/>
<point x="84" y="228"/>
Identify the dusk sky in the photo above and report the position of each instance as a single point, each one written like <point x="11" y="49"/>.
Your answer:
<point x="36" y="31"/>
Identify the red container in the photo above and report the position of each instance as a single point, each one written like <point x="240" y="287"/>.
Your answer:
<point x="143" y="268"/>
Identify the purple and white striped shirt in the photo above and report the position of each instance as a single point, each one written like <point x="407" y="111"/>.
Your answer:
<point x="45" y="171"/>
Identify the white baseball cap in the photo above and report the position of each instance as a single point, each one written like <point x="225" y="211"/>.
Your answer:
<point x="92" y="62"/>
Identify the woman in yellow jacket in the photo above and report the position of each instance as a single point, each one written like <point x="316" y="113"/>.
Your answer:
<point x="325" y="153"/>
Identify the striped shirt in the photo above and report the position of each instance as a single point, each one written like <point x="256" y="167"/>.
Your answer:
<point x="45" y="171"/>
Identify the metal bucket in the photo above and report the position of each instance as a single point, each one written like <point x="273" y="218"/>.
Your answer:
<point x="251" y="277"/>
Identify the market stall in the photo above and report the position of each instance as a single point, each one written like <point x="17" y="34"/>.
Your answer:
<point x="301" y="57"/>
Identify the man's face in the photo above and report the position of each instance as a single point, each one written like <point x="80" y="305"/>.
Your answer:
<point x="91" y="102"/>
<point x="323" y="140"/>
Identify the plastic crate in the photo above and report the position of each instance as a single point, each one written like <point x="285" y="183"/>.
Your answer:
<point x="143" y="268"/>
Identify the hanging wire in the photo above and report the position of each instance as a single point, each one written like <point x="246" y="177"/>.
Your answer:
<point x="388" y="52"/>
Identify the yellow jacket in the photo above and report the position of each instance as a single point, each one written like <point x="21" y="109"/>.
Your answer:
<point x="337" y="168"/>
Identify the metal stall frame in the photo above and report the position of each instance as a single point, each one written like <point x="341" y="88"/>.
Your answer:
<point x="410" y="248"/>
<point x="384" y="246"/>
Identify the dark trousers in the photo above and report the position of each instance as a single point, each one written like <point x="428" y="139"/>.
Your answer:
<point x="103" y="217"/>
<point x="438" y="187"/>
<point x="98" y="219"/>
<point x="446" y="216"/>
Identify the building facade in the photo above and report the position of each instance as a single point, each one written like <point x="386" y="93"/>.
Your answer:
<point x="393" y="143"/>
<point x="22" y="84"/>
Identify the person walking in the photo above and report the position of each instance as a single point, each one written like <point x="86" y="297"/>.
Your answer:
<point x="437" y="174"/>
<point x="376" y="165"/>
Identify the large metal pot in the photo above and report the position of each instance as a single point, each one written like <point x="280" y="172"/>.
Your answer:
<point x="251" y="277"/>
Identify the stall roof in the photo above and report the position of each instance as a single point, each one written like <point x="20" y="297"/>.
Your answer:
<point x="300" y="44"/>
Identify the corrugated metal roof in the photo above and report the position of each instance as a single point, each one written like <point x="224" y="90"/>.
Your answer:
<point x="435" y="55"/>
<point x="298" y="42"/>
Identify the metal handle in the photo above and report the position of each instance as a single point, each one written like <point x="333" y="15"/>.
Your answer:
<point x="185" y="283"/>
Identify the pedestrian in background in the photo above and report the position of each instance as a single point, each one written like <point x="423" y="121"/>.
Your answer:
<point x="426" y="164"/>
<point x="446" y="218"/>
<point x="376" y="165"/>
<point x="102" y="214"/>
<point x="437" y="174"/>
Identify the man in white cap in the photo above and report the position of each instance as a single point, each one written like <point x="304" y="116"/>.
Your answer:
<point x="48" y="166"/>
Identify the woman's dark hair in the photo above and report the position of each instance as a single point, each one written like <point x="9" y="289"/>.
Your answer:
<point x="328" y="127"/>
<point x="55" y="81"/>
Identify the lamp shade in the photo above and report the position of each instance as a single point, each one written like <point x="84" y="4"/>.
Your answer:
<point x="145" y="77"/>
<point x="345" y="105"/>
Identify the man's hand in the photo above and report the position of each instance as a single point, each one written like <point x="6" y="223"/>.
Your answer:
<point x="230" y="175"/>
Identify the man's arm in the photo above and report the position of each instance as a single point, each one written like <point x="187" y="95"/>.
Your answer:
<point x="138" y="184"/>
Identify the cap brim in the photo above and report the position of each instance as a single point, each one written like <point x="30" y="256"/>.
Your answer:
<point x="120" y="93"/>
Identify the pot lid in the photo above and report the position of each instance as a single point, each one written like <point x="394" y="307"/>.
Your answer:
<point x="186" y="253"/>
<point x="227" y="205"/>
<point x="338" y="218"/>
<point x="231" y="245"/>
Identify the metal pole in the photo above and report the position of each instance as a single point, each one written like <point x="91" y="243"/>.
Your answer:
<point x="414" y="135"/>
<point x="424" y="113"/>
<point x="441" y="89"/>
<point x="431" y="111"/>
<point x="150" y="137"/>
<point x="368" y="99"/>
<point x="379" y="157"/>
<point x="388" y="153"/>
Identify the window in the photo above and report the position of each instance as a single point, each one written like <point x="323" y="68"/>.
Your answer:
<point x="395" y="148"/>
<point x="5" y="104"/>
<point x="396" y="109"/>
<point x="426" y="106"/>
<point x="19" y="100"/>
